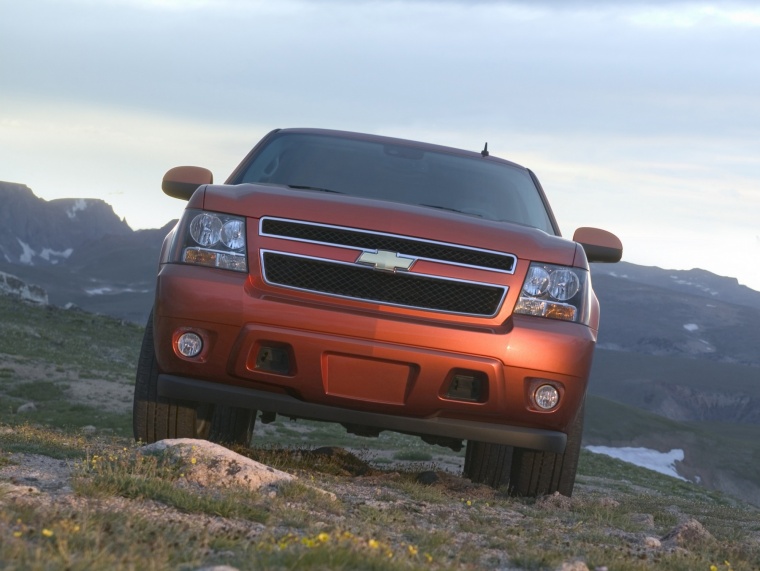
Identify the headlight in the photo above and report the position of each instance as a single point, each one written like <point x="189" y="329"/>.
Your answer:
<point x="213" y="239"/>
<point x="556" y="292"/>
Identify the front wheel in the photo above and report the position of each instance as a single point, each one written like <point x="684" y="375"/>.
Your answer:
<point x="155" y="417"/>
<point x="526" y="472"/>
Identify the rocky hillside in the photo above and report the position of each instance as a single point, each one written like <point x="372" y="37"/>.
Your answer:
<point x="79" y="252"/>
<point x="691" y="313"/>
<point x="74" y="502"/>
<point x="36" y="232"/>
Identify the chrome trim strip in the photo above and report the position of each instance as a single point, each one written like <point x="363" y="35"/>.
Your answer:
<point x="399" y="236"/>
<point x="504" y="289"/>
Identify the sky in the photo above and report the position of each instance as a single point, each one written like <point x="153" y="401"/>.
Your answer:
<point x="640" y="117"/>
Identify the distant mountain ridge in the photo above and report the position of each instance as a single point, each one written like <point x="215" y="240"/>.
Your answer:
<point x="79" y="251"/>
<point x="39" y="232"/>
<point x="690" y="282"/>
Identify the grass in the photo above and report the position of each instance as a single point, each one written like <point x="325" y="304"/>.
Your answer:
<point x="131" y="510"/>
<point x="99" y="344"/>
<point x="64" y="414"/>
<point x="380" y="520"/>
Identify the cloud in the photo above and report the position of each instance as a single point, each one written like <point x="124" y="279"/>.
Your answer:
<point x="642" y="117"/>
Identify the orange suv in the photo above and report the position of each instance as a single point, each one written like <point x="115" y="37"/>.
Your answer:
<point x="382" y="284"/>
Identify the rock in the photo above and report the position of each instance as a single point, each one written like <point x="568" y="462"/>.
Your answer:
<point x="11" y="285"/>
<point x="26" y="407"/>
<point x="211" y="465"/>
<point x="554" y="501"/>
<point x="687" y="533"/>
<point x="89" y="429"/>
<point x="576" y="565"/>
<point x="644" y="520"/>
<point x="652" y="543"/>
<point x="609" y="503"/>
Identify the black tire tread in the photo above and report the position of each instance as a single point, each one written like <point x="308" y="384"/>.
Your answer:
<point x="537" y="473"/>
<point x="232" y="425"/>
<point x="154" y="417"/>
<point x="525" y="472"/>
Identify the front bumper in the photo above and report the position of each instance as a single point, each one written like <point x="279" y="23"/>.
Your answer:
<point x="364" y="366"/>
<point x="174" y="387"/>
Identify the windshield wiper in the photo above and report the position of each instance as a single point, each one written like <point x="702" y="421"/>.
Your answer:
<point x="320" y="189"/>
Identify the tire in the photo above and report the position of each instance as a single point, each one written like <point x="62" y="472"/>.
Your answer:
<point x="486" y="463"/>
<point x="156" y="418"/>
<point x="526" y="472"/>
<point x="232" y="425"/>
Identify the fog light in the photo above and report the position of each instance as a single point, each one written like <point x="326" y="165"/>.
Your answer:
<point x="273" y="359"/>
<point x="467" y="386"/>
<point x="189" y="344"/>
<point x="546" y="397"/>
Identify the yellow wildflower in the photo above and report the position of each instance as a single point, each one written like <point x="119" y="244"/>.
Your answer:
<point x="47" y="532"/>
<point x="411" y="549"/>
<point x="193" y="460"/>
<point x="323" y="537"/>
<point x="373" y="543"/>
<point x="17" y="533"/>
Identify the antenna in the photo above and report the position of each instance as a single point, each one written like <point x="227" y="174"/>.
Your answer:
<point x="484" y="152"/>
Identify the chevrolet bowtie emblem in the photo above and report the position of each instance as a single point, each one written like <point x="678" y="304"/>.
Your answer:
<point x="385" y="260"/>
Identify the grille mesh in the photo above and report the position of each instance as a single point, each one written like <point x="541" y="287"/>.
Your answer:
<point x="406" y="246"/>
<point x="383" y="287"/>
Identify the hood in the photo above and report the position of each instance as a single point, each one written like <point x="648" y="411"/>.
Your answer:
<point x="256" y="201"/>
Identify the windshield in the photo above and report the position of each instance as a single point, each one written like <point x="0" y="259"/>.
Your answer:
<point x="473" y="186"/>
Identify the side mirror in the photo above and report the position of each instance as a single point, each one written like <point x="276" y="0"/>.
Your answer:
<point x="182" y="182"/>
<point x="600" y="245"/>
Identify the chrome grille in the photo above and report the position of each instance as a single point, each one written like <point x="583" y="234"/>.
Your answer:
<point x="361" y="239"/>
<point x="400" y="288"/>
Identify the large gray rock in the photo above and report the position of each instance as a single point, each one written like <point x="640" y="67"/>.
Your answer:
<point x="11" y="285"/>
<point x="213" y="466"/>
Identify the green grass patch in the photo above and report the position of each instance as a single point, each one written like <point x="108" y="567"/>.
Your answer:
<point x="38" y="391"/>
<point x="34" y="439"/>
<point x="83" y="340"/>
<point x="60" y="413"/>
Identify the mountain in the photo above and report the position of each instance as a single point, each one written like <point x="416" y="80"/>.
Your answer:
<point x="37" y="232"/>
<point x="690" y="313"/>
<point x="79" y="251"/>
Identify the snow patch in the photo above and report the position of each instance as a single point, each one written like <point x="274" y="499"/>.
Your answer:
<point x="27" y="254"/>
<point x="700" y="287"/>
<point x="614" y="274"/>
<point x="79" y="204"/>
<point x="661" y="462"/>
<point x="47" y="253"/>
<point x="113" y="290"/>
<point x="692" y="327"/>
